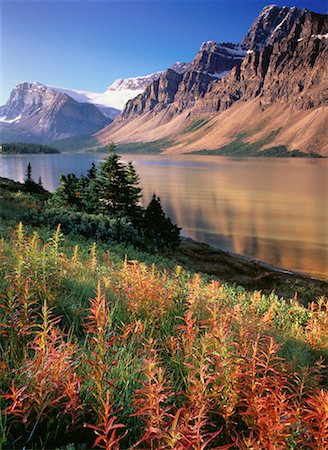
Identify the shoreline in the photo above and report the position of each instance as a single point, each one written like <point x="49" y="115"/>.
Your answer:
<point x="273" y="267"/>
<point x="251" y="273"/>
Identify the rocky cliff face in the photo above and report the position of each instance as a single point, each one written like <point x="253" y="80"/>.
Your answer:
<point x="286" y="61"/>
<point x="293" y="70"/>
<point x="214" y="58"/>
<point x="184" y="83"/>
<point x="271" y="26"/>
<point x="158" y="94"/>
<point x="39" y="113"/>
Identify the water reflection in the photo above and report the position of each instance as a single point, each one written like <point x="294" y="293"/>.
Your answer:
<point x="270" y="209"/>
<point x="274" y="210"/>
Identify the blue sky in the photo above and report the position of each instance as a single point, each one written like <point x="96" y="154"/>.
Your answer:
<point x="88" y="44"/>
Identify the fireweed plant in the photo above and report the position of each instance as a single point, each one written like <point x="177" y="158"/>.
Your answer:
<point x="115" y="353"/>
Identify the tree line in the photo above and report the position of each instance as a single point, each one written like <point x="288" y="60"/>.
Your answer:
<point x="22" y="148"/>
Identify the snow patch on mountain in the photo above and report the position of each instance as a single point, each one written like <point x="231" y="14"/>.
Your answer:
<point x="218" y="76"/>
<point x="227" y="50"/>
<point x="320" y="36"/>
<point x="3" y="119"/>
<point x="112" y="101"/>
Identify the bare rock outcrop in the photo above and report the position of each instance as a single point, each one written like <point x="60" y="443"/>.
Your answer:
<point x="286" y="61"/>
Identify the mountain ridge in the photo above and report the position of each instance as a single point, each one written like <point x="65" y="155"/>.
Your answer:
<point x="32" y="99"/>
<point x="278" y="71"/>
<point x="291" y="70"/>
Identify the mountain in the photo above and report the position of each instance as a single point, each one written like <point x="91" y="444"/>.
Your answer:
<point x="271" y="26"/>
<point x="212" y="62"/>
<point x="113" y="100"/>
<point x="37" y="113"/>
<point x="268" y="93"/>
<point x="90" y="97"/>
<point x="271" y="96"/>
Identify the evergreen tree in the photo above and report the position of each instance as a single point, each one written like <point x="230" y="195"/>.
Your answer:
<point x="80" y="188"/>
<point x="133" y="193"/>
<point x="28" y="178"/>
<point x="31" y="185"/>
<point x="158" y="228"/>
<point x="91" y="193"/>
<point x="60" y="196"/>
<point x="111" y="178"/>
<point x="92" y="172"/>
<point x="69" y="192"/>
<point x="120" y="193"/>
<point x="70" y="185"/>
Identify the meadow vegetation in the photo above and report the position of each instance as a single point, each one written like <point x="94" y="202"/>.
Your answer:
<point x="152" y="147"/>
<point x="195" y="125"/>
<point x="241" y="148"/>
<point x="99" y="349"/>
<point x="103" y="344"/>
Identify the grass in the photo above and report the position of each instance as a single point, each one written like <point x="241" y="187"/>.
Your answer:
<point x="240" y="148"/>
<point x="103" y="345"/>
<point x="89" y="143"/>
<point x="196" y="125"/>
<point x="15" y="200"/>
<point x="154" y="147"/>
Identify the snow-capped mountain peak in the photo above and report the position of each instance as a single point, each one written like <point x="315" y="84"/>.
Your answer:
<point x="134" y="83"/>
<point x="112" y="100"/>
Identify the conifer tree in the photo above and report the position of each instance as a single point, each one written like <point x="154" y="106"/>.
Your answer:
<point x="120" y="193"/>
<point x="31" y="185"/>
<point x="158" y="228"/>
<point x="91" y="193"/>
<point x="28" y="178"/>
<point x="92" y="172"/>
<point x="133" y="192"/>
<point x="69" y="192"/>
<point x="71" y="187"/>
<point x="60" y="196"/>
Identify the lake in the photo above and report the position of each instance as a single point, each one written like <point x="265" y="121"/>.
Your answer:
<point x="270" y="209"/>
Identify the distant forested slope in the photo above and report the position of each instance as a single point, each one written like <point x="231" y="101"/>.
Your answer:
<point x="21" y="148"/>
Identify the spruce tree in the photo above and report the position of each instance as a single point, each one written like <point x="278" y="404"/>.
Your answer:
<point x="28" y="178"/>
<point x="92" y="172"/>
<point x="60" y="196"/>
<point x="120" y="193"/>
<point x="158" y="228"/>
<point x="30" y="184"/>
<point x="80" y="188"/>
<point x="70" y="183"/>
<point x="69" y="192"/>
<point x="91" y="193"/>
<point x="133" y="193"/>
<point x="112" y="177"/>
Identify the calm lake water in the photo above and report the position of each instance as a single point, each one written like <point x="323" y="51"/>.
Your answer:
<point x="271" y="209"/>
